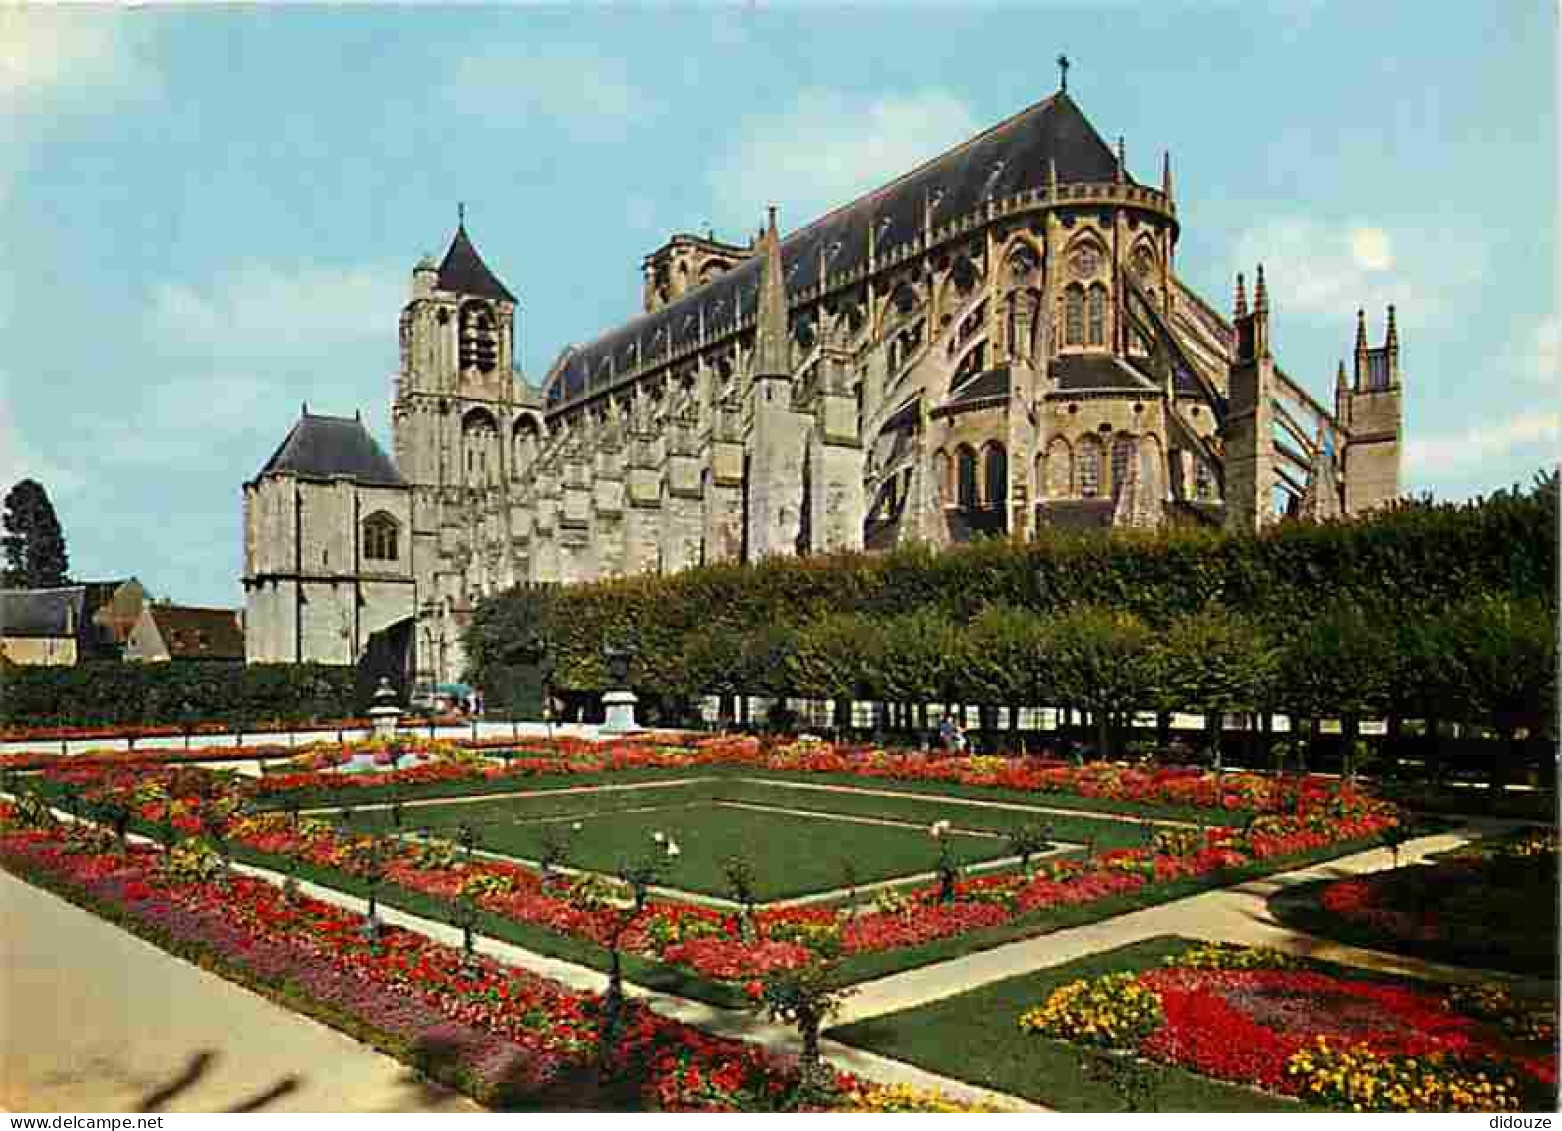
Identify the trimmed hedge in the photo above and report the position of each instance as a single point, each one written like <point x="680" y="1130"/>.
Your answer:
<point x="884" y="625"/>
<point x="110" y="693"/>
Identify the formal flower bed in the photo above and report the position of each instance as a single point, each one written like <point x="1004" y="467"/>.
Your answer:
<point x="1259" y="1017"/>
<point x="503" y="1034"/>
<point x="1187" y="786"/>
<point x="712" y="943"/>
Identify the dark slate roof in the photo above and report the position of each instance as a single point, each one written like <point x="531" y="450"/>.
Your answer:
<point x="327" y="447"/>
<point x="1079" y="372"/>
<point x="199" y="634"/>
<point x="988" y="383"/>
<point x="42" y="612"/>
<point x="1075" y="514"/>
<point x="463" y="270"/>
<point x="1011" y="157"/>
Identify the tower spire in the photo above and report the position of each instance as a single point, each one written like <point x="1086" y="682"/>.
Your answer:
<point x="1391" y="342"/>
<point x="461" y="214"/>
<point x="770" y="349"/>
<point x="1260" y="293"/>
<point x="1166" y="177"/>
<point x="1121" y="172"/>
<point x="1361" y="331"/>
<point x="1241" y="302"/>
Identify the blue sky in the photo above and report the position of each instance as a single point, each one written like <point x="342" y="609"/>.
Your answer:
<point x="210" y="216"/>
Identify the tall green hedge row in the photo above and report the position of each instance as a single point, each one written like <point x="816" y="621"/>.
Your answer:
<point x="887" y="624"/>
<point x="110" y="693"/>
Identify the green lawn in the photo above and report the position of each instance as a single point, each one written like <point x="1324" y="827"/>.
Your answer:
<point x="792" y="854"/>
<point x="975" y="1036"/>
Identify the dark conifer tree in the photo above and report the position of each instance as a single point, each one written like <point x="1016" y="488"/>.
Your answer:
<point x="34" y="545"/>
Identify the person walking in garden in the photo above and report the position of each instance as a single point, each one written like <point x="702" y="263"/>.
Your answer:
<point x="950" y="736"/>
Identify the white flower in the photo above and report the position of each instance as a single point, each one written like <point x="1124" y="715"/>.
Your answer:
<point x="939" y="829"/>
<point x="576" y="827"/>
<point x="673" y="849"/>
<point x="658" y="837"/>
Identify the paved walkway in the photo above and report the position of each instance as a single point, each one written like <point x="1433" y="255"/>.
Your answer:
<point x="94" y="1019"/>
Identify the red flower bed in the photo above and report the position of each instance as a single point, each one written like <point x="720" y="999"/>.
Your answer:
<point x="1253" y="1017"/>
<point x="508" y="1033"/>
<point x="196" y="800"/>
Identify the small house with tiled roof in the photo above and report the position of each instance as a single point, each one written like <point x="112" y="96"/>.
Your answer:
<point x="180" y="632"/>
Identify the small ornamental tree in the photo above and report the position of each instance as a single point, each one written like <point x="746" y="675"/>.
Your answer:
<point x="1029" y="839"/>
<point x="948" y="868"/>
<point x="625" y="897"/>
<point x="805" y="998"/>
<point x="554" y="848"/>
<point x="34" y="545"/>
<point x="742" y="885"/>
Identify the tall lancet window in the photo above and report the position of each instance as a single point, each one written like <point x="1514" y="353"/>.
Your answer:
<point x="1098" y="315"/>
<point x="1074" y="316"/>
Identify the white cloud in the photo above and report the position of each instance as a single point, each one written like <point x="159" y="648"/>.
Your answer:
<point x="830" y="147"/>
<point x="21" y="459"/>
<point x="1483" y="443"/>
<point x="278" y="309"/>
<point x="46" y="51"/>
<point x="1327" y="271"/>
<point x="189" y="422"/>
<point x="589" y="92"/>
<point x="1540" y="352"/>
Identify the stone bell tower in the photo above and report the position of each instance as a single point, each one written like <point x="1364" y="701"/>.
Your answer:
<point x="452" y="418"/>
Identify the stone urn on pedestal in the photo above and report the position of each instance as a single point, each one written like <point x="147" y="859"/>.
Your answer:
<point x="386" y="712"/>
<point x="618" y="704"/>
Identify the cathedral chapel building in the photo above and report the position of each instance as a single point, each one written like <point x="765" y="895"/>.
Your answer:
<point x="996" y="342"/>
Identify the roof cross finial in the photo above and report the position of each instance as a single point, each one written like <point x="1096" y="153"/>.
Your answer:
<point x="460" y="213"/>
<point x="1063" y="66"/>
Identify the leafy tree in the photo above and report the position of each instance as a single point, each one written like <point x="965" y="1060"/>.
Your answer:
<point x="1216" y="663"/>
<point x="1337" y="664"/>
<point x="1499" y="658"/>
<point x="1006" y="659"/>
<point x="837" y="657"/>
<point x="921" y="652"/>
<point x="35" y="556"/>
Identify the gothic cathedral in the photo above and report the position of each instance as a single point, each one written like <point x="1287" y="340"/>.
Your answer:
<point x="996" y="342"/>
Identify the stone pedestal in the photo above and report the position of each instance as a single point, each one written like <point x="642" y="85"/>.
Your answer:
<point x="384" y="715"/>
<point x="620" y="709"/>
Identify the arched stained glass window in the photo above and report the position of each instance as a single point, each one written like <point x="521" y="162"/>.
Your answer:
<point x="1074" y="317"/>
<point x="1098" y="315"/>
<point x="996" y="475"/>
<point x="965" y="475"/>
